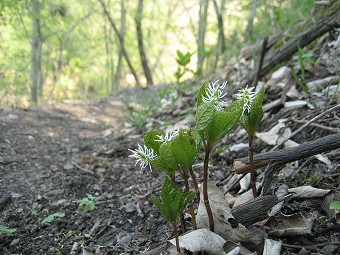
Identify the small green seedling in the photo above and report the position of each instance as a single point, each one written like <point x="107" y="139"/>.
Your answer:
<point x="250" y="120"/>
<point x="183" y="59"/>
<point x="173" y="204"/>
<point x="50" y="218"/>
<point x="7" y="230"/>
<point x="335" y="205"/>
<point x="176" y="152"/>
<point x="88" y="202"/>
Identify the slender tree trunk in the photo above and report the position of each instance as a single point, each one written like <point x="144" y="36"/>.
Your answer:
<point x="121" y="42"/>
<point x="250" y="25"/>
<point x="108" y="58"/>
<point x="36" y="43"/>
<point x="203" y="13"/>
<point x="142" y="54"/>
<point x="221" y="37"/>
<point x="118" y="74"/>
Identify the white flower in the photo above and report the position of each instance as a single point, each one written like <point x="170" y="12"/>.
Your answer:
<point x="214" y="93"/>
<point x="142" y="156"/>
<point x="168" y="137"/>
<point x="248" y="96"/>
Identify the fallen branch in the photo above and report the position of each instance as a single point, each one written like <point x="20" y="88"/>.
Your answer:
<point x="328" y="21"/>
<point x="305" y="150"/>
<point x="254" y="210"/>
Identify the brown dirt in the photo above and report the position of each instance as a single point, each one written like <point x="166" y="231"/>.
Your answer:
<point x="50" y="158"/>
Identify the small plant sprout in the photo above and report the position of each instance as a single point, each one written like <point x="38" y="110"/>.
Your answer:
<point x="143" y="155"/>
<point x="88" y="202"/>
<point x="173" y="204"/>
<point x="335" y="205"/>
<point x="214" y="94"/>
<point x="50" y="218"/>
<point x="214" y="119"/>
<point x="167" y="137"/>
<point x="176" y="152"/>
<point x="7" y="230"/>
<point x="247" y="95"/>
<point x="250" y="120"/>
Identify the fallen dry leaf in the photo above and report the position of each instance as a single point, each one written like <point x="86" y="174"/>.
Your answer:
<point x="225" y="223"/>
<point x="308" y="192"/>
<point x="202" y="240"/>
<point x="295" y="224"/>
<point x="272" y="247"/>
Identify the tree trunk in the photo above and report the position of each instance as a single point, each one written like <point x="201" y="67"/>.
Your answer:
<point x="203" y="13"/>
<point x="142" y="54"/>
<point x="249" y="30"/>
<point x="36" y="44"/>
<point x="118" y="74"/>
<point x="221" y="36"/>
<point x="121" y="43"/>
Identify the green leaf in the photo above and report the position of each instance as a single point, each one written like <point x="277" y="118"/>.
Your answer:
<point x="185" y="149"/>
<point x="201" y="93"/>
<point x="173" y="201"/>
<point x="149" y="140"/>
<point x="335" y="205"/>
<point x="211" y="124"/>
<point x="183" y="59"/>
<point x="224" y="121"/>
<point x="204" y="116"/>
<point x="50" y="218"/>
<point x="7" y="230"/>
<point x="251" y="121"/>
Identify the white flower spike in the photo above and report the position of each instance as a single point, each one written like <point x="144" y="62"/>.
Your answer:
<point x="142" y="155"/>
<point x="214" y="93"/>
<point x="167" y="138"/>
<point x="248" y="96"/>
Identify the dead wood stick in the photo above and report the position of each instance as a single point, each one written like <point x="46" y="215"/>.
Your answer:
<point x="302" y="39"/>
<point x="254" y="210"/>
<point x="306" y="125"/>
<point x="323" y="144"/>
<point x="259" y="67"/>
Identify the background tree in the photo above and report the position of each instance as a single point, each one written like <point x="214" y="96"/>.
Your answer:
<point x="118" y="74"/>
<point x="249" y="30"/>
<point x="202" y="23"/>
<point x="36" y="43"/>
<point x="221" y="44"/>
<point x="81" y="54"/>
<point x="142" y="54"/>
<point x="121" y="43"/>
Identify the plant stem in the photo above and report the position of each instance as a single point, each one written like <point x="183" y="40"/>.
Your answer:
<point x="183" y="226"/>
<point x="184" y="229"/>
<point x="176" y="237"/>
<point x="194" y="180"/>
<point x="251" y="164"/>
<point x="191" y="205"/>
<point x="205" y="188"/>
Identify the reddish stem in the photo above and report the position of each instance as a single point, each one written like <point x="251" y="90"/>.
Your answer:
<point x="205" y="188"/>
<point x="251" y="165"/>
<point x="191" y="205"/>
<point x="194" y="180"/>
<point x="176" y="238"/>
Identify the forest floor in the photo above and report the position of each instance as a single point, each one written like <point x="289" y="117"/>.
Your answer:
<point x="52" y="157"/>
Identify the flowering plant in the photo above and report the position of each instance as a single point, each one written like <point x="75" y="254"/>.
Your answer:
<point x="177" y="151"/>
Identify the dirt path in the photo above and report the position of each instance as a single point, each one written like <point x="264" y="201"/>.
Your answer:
<point x="50" y="158"/>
